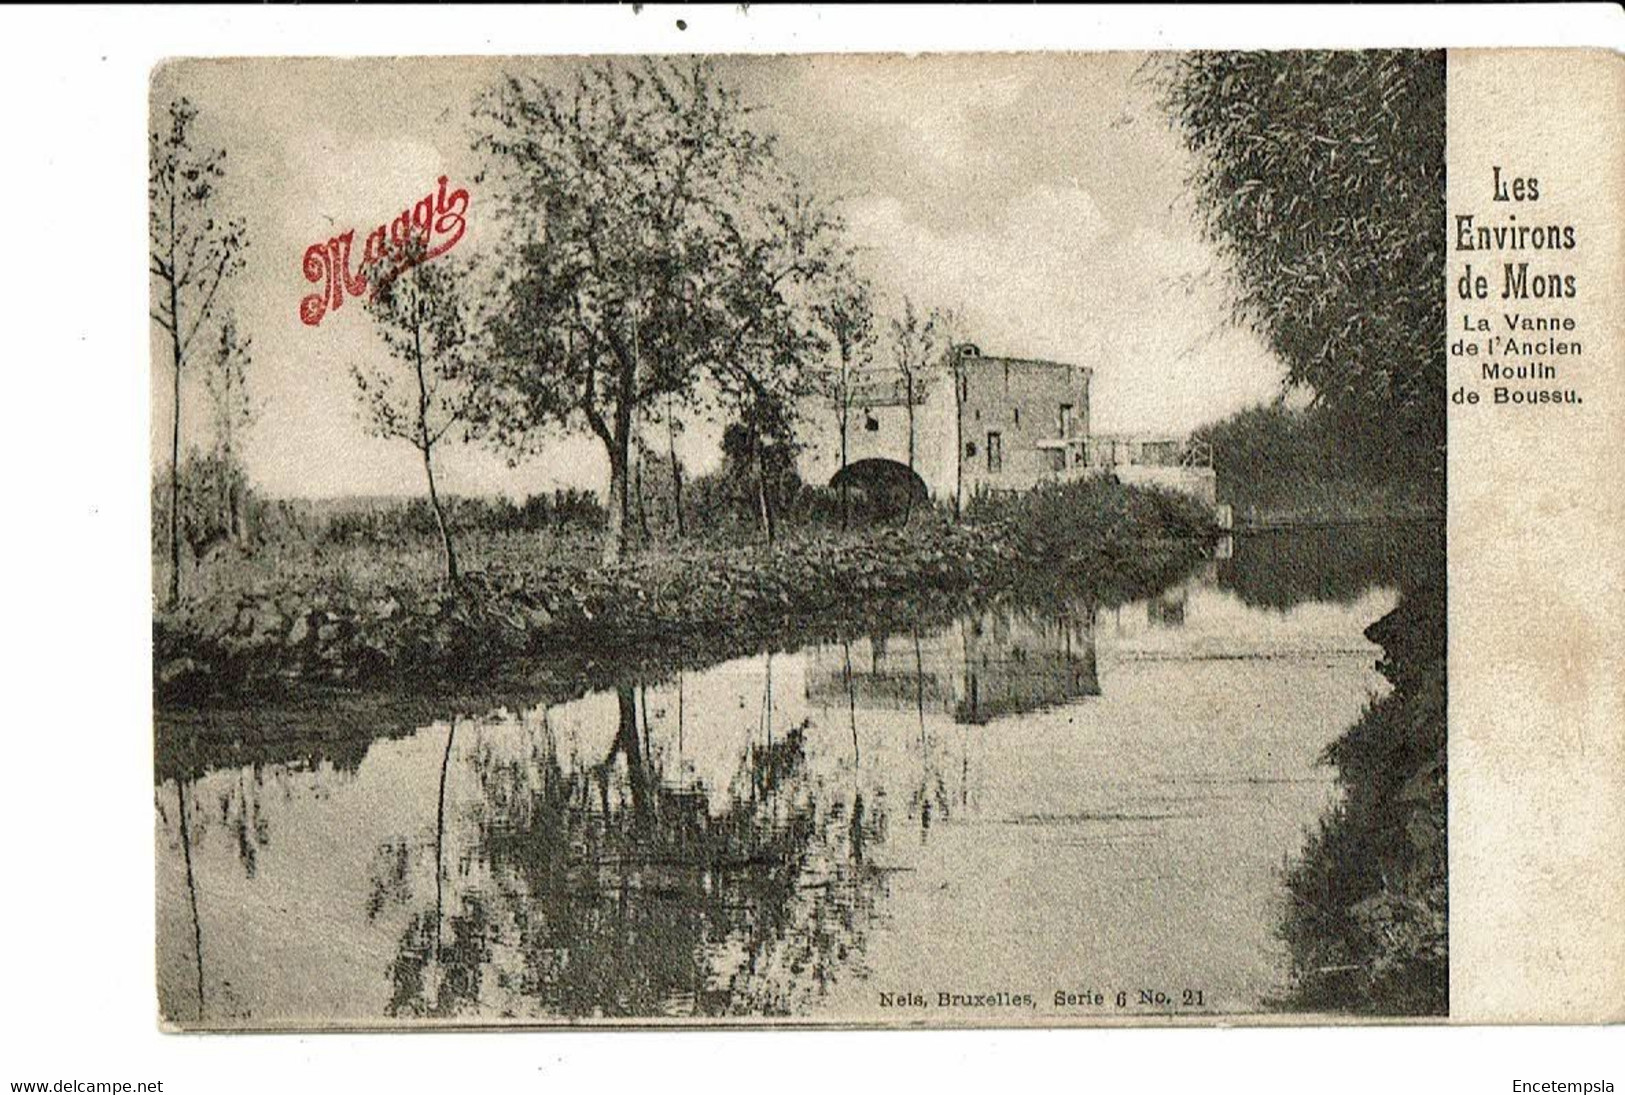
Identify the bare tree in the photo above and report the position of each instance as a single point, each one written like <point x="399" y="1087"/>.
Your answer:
<point x="913" y="340"/>
<point x="193" y="249"/>
<point x="234" y="411"/>
<point x="847" y="313"/>
<point x="673" y="427"/>
<point x="424" y="318"/>
<point x="948" y="329"/>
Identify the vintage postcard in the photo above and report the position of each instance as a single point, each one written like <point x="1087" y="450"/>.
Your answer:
<point x="1026" y="539"/>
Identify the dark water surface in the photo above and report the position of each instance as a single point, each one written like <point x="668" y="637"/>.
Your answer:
<point x="1033" y="799"/>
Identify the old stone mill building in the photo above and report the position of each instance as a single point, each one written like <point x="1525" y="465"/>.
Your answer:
<point x="983" y="424"/>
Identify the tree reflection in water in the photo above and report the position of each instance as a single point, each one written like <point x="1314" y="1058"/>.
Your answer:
<point x="932" y="791"/>
<point x="191" y="889"/>
<point x="240" y="813"/>
<point x="610" y="872"/>
<point x="608" y="889"/>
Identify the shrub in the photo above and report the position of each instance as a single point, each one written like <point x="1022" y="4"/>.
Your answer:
<point x="214" y="494"/>
<point x="1069" y="523"/>
<point x="336" y="609"/>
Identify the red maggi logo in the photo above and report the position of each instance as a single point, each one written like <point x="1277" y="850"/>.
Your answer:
<point x="427" y="230"/>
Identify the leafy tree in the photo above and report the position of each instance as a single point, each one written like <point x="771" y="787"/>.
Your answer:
<point x="780" y="254"/>
<point x="760" y="448"/>
<point x="769" y="341"/>
<point x="1321" y="178"/>
<point x="193" y="249"/>
<point x="423" y="316"/>
<point x="642" y="207"/>
<point x="614" y="187"/>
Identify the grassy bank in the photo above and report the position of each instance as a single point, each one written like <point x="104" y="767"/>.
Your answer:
<point x="1367" y="919"/>
<point x="366" y="612"/>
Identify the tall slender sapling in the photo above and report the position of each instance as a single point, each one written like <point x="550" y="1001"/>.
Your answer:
<point x="424" y="317"/>
<point x="193" y="250"/>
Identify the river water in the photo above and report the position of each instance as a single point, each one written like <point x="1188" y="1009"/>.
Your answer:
<point x="1034" y="799"/>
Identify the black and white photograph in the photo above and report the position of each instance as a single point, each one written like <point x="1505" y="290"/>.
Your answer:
<point x="883" y="540"/>
<point x="813" y="548"/>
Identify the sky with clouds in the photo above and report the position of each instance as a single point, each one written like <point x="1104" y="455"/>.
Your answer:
<point x="1040" y="195"/>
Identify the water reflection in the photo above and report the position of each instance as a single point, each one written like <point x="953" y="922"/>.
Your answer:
<point x="1335" y="564"/>
<point x="1084" y="788"/>
<point x="1006" y="660"/>
<point x="185" y="828"/>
